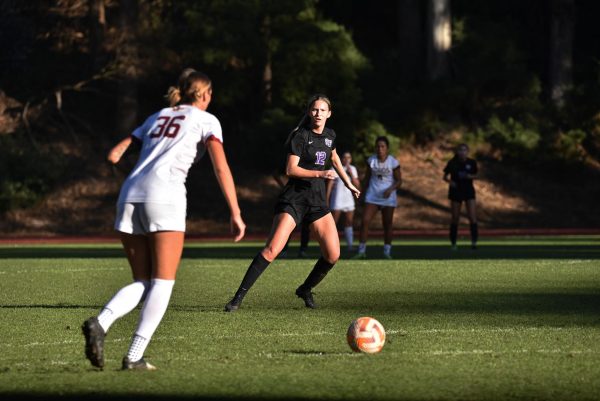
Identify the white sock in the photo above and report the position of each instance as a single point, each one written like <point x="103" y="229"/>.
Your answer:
<point x="122" y="303"/>
<point x="387" y="249"/>
<point x="362" y="247"/>
<point x="137" y="348"/>
<point x="152" y="313"/>
<point x="349" y="234"/>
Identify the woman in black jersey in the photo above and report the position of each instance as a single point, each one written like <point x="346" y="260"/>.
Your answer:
<point x="460" y="173"/>
<point x="303" y="200"/>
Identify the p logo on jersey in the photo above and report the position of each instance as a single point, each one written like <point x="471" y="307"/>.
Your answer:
<point x="328" y="142"/>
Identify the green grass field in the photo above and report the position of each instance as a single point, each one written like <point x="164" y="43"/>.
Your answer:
<point x="517" y="319"/>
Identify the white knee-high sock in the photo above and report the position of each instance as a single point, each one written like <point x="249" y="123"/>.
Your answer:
<point x="349" y="234"/>
<point x="122" y="303"/>
<point x="362" y="247"/>
<point x="152" y="313"/>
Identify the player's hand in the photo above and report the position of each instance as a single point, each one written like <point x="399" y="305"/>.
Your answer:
<point x="328" y="174"/>
<point x="388" y="192"/>
<point x="452" y="184"/>
<point x="238" y="227"/>
<point x="354" y="190"/>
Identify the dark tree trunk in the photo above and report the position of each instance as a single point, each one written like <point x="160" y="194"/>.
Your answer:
<point x="97" y="18"/>
<point x="439" y="38"/>
<point x="411" y="39"/>
<point x="267" y="78"/>
<point x="128" y="64"/>
<point x="560" y="73"/>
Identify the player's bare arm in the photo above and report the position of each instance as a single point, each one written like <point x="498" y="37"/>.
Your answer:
<point x="293" y="170"/>
<point x="120" y="148"/>
<point x="339" y="168"/>
<point x="225" y="179"/>
<point x="397" y="182"/>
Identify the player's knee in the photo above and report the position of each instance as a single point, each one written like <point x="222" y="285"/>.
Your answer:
<point x="332" y="258"/>
<point x="270" y="252"/>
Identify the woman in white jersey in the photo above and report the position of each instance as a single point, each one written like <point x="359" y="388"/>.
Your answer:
<point x="341" y="199"/>
<point x="151" y="211"/>
<point x="383" y="178"/>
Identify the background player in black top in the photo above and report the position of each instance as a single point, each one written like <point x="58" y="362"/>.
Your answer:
<point x="303" y="200"/>
<point x="460" y="173"/>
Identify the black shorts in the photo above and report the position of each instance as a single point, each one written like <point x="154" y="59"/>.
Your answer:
<point x="461" y="194"/>
<point x="302" y="214"/>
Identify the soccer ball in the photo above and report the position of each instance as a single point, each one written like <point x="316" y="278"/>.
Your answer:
<point x="366" y="334"/>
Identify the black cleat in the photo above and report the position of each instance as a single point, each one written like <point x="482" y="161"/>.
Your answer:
<point x="137" y="365"/>
<point x="234" y="304"/>
<point x="94" y="341"/>
<point x="307" y="297"/>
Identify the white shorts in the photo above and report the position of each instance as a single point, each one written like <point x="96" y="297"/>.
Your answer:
<point x="143" y="218"/>
<point x="392" y="201"/>
<point x="344" y="209"/>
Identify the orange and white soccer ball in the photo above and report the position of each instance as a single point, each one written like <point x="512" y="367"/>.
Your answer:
<point x="366" y="334"/>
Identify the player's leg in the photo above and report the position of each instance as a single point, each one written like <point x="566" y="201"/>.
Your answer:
<point x="455" y="216"/>
<point x="326" y="232"/>
<point x="124" y="301"/>
<point x="283" y="225"/>
<point x="472" y="215"/>
<point x="368" y="213"/>
<point x="349" y="228"/>
<point x="304" y="238"/>
<point x="165" y="250"/>
<point x="387" y="219"/>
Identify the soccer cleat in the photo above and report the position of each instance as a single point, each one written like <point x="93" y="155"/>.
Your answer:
<point x="454" y="247"/>
<point x="94" y="341"/>
<point x="234" y="304"/>
<point x="137" y="365"/>
<point x="307" y="297"/>
<point x="387" y="256"/>
<point x="360" y="255"/>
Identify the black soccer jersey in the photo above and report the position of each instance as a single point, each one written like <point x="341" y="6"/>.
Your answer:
<point x="459" y="170"/>
<point x="314" y="151"/>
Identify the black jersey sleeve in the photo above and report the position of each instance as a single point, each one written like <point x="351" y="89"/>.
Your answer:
<point x="448" y="169"/>
<point x="333" y="139"/>
<point x="296" y="146"/>
<point x="475" y="168"/>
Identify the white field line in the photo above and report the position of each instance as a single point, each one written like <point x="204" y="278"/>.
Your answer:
<point x="77" y="270"/>
<point x="429" y="353"/>
<point x="304" y="334"/>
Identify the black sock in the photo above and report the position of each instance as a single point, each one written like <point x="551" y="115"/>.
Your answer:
<point x="317" y="274"/>
<point x="474" y="233"/>
<point x="453" y="233"/>
<point x="256" y="268"/>
<point x="304" y="236"/>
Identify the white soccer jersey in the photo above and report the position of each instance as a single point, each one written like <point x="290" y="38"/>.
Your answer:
<point x="172" y="139"/>
<point x="342" y="197"/>
<point x="382" y="177"/>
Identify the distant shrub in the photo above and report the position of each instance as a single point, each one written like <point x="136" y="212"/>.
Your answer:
<point x="510" y="137"/>
<point x="365" y="140"/>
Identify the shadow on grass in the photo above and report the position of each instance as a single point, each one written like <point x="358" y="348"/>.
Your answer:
<point x="552" y="250"/>
<point x="563" y="306"/>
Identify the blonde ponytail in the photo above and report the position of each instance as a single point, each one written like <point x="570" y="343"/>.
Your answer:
<point x="173" y="96"/>
<point x="190" y="85"/>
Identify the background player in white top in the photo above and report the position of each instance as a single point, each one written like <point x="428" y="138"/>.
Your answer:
<point x="383" y="178"/>
<point x="341" y="199"/>
<point x="151" y="211"/>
